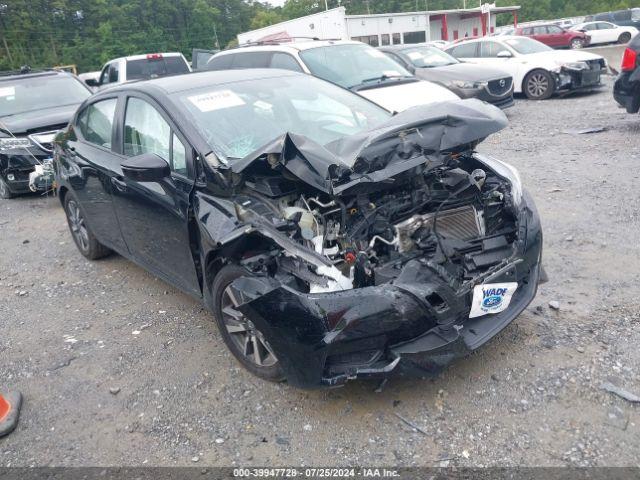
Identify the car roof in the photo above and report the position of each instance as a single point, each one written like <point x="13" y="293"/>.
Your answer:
<point x="17" y="75"/>
<point x="295" y="46"/>
<point x="196" y="80"/>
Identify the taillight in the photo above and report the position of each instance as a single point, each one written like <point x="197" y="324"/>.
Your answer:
<point x="154" y="56"/>
<point x="629" y="60"/>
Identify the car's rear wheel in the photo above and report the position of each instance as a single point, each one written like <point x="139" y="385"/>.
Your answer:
<point x="5" y="191"/>
<point x="624" y="37"/>
<point x="539" y="85"/>
<point x="241" y="336"/>
<point x="80" y="231"/>
<point x="576" y="43"/>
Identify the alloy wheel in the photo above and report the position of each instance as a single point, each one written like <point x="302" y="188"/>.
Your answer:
<point x="576" y="43"/>
<point x="77" y="225"/>
<point x="246" y="337"/>
<point x="538" y="85"/>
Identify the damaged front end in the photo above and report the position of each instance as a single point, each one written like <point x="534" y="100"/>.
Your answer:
<point x="371" y="249"/>
<point x="582" y="75"/>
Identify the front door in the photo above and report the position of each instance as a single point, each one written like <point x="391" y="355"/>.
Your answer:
<point x="154" y="216"/>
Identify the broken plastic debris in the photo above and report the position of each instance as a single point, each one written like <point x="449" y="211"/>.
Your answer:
<point x="583" y="131"/>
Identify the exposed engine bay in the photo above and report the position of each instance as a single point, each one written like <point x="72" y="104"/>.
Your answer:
<point x="451" y="213"/>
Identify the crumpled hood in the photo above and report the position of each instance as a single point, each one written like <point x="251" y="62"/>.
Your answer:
<point x="384" y="151"/>
<point x="460" y="71"/>
<point x="21" y="123"/>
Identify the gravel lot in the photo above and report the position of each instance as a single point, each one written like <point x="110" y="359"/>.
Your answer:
<point x="119" y="368"/>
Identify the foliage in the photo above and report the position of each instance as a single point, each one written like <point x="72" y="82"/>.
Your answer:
<point x="44" y="33"/>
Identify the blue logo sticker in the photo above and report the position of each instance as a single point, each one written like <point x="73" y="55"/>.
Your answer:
<point x="492" y="302"/>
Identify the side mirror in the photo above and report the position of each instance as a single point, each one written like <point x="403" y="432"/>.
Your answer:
<point x="91" y="82"/>
<point x="504" y="54"/>
<point x="147" y="167"/>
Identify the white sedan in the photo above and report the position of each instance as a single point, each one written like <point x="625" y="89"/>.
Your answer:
<point x="606" y="32"/>
<point x="538" y="71"/>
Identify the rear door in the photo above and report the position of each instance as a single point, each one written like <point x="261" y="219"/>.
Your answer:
<point x="154" y="216"/>
<point x="541" y="34"/>
<point x="92" y="165"/>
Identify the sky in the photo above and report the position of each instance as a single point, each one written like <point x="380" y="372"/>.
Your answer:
<point x="276" y="3"/>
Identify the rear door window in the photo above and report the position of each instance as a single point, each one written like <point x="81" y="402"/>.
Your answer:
<point x="156" y="66"/>
<point x="96" y="122"/>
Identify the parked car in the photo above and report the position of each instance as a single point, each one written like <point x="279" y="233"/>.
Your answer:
<point x="626" y="18"/>
<point x="626" y="89"/>
<point x="353" y="65"/>
<point x="464" y="79"/>
<point x="140" y="67"/>
<point x="554" y="36"/>
<point x="34" y="105"/>
<point x="329" y="238"/>
<point x="606" y="32"/>
<point x="538" y="71"/>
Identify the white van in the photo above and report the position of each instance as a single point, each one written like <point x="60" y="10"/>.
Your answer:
<point x="353" y="65"/>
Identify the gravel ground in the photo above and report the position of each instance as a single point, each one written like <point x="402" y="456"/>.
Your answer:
<point x="119" y="368"/>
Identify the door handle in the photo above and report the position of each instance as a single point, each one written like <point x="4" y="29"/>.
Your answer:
<point x="120" y="185"/>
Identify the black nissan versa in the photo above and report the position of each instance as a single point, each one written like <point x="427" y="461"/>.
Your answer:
<point x="329" y="239"/>
<point x="626" y="90"/>
<point x="467" y="80"/>
<point x="34" y="105"/>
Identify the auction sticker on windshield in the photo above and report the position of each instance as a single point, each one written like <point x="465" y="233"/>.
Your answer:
<point x="216" y="100"/>
<point x="491" y="298"/>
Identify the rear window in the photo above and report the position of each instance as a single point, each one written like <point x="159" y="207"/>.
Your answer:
<point x="156" y="67"/>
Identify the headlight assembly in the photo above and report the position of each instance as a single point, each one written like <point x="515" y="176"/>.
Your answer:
<point x="467" y="85"/>
<point x="507" y="172"/>
<point x="13" y="142"/>
<point x="575" y="65"/>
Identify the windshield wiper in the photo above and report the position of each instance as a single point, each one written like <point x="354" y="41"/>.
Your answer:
<point x="382" y="78"/>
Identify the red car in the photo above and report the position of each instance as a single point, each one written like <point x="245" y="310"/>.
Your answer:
<point x="555" y="36"/>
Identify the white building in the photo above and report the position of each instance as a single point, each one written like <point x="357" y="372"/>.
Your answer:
<point x="387" y="28"/>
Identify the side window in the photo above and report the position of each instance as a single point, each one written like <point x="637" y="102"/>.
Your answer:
<point x="588" y="28"/>
<point x="490" y="49"/>
<point x="527" y="31"/>
<point x="464" y="51"/>
<point x="251" y="60"/>
<point x="622" y="15"/>
<point x="96" y="122"/>
<point x="604" y="26"/>
<point x="554" y="30"/>
<point x="285" y="61"/>
<point x="178" y="156"/>
<point x="104" y="75"/>
<point x="145" y="131"/>
<point x="113" y="72"/>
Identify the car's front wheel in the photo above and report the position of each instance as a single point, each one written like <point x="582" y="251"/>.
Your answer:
<point x="241" y="336"/>
<point x="624" y="38"/>
<point x="5" y="191"/>
<point x="539" y="85"/>
<point x="577" y="43"/>
<point x="82" y="235"/>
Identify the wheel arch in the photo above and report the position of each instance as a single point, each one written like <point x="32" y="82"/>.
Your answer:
<point x="529" y="72"/>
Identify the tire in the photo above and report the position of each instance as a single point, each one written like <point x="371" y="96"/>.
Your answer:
<point x="538" y="85"/>
<point x="624" y="38"/>
<point x="82" y="235"/>
<point x="5" y="191"/>
<point x="239" y="334"/>
<point x="576" y="43"/>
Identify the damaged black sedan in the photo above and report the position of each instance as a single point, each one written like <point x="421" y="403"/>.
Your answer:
<point x="330" y="239"/>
